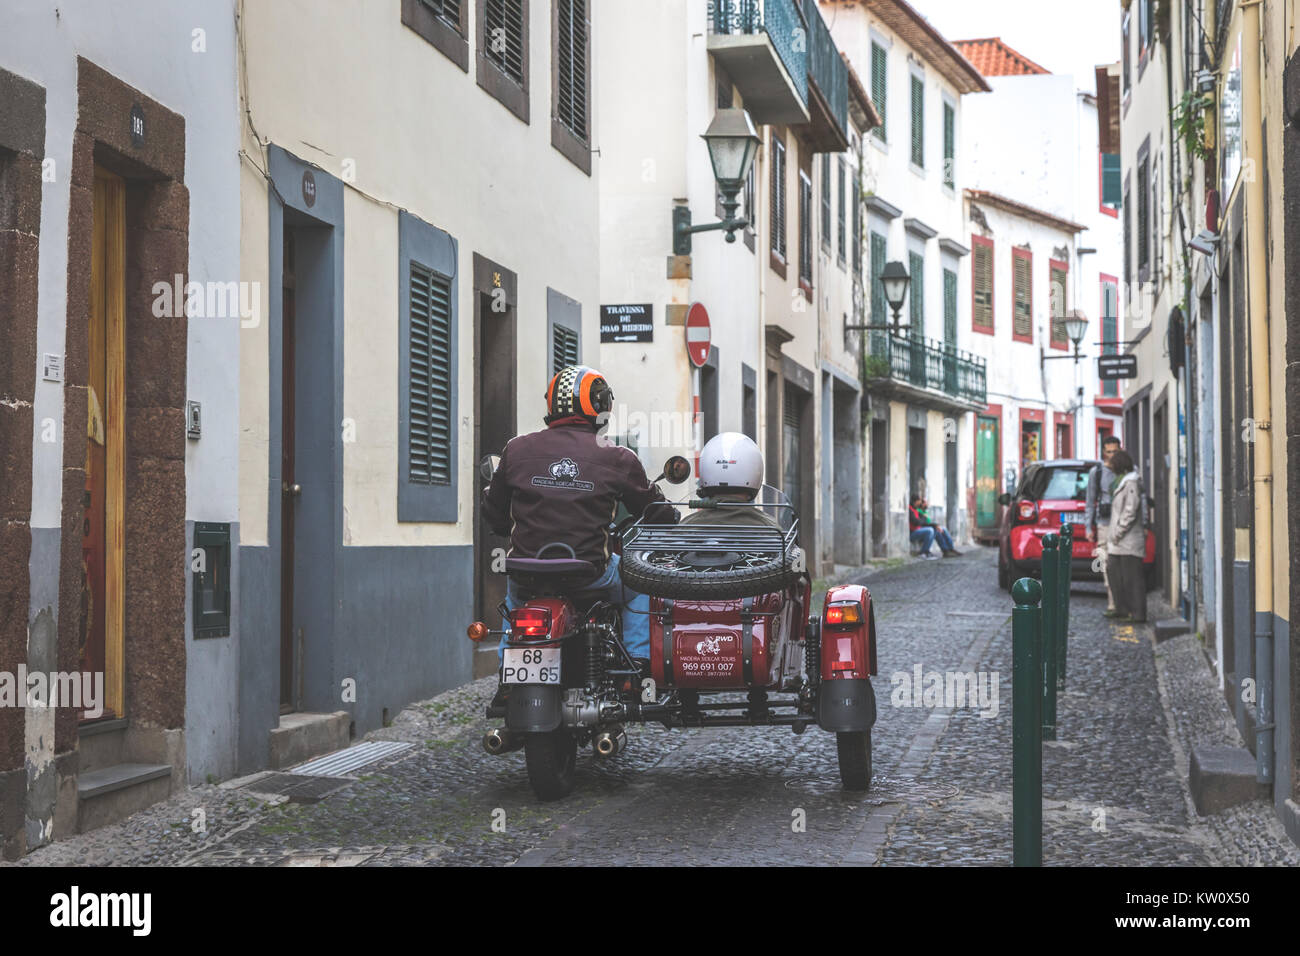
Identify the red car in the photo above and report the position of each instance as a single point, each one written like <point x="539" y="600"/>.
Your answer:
<point x="1051" y="492"/>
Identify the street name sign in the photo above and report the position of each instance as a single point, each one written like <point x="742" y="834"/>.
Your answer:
<point x="627" y="323"/>
<point x="1117" y="366"/>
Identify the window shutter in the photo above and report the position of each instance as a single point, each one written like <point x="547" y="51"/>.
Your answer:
<point x="1023" y="321"/>
<point x="1110" y="176"/>
<point x="778" y="196"/>
<point x="446" y="10"/>
<point x="826" y="199"/>
<point x="1128" y="242"/>
<point x="1060" y="298"/>
<point x="805" y="229"/>
<point x="878" y="88"/>
<point x="918" y="122"/>
<point x="842" y="214"/>
<point x="949" y="145"/>
<point x="430" y="433"/>
<point x="564" y="348"/>
<point x="982" y="277"/>
<point x="950" y="308"/>
<point x="879" y="309"/>
<point x="571" y="55"/>
<point x="1143" y="198"/>
<point x="916" y="266"/>
<point x="503" y="28"/>
<point x="857" y="227"/>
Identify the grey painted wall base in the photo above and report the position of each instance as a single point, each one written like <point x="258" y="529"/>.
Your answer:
<point x="212" y="683"/>
<point x="399" y="634"/>
<point x="42" y="779"/>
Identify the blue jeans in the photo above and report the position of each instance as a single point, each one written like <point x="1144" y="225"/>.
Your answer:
<point x="609" y="588"/>
<point x="925" y="536"/>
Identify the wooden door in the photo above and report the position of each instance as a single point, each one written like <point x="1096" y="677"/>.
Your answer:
<point x="103" y="543"/>
<point x="494" y="425"/>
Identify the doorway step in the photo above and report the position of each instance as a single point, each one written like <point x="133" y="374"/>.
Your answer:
<point x="112" y="780"/>
<point x="302" y="736"/>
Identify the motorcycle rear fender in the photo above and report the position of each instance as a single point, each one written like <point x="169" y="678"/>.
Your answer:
<point x="856" y="643"/>
<point x="846" y="705"/>
<point x="533" y="708"/>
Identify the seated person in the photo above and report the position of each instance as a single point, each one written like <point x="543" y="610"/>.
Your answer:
<point x="731" y="469"/>
<point x="924" y="531"/>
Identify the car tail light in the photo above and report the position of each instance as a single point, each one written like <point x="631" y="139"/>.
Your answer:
<point x="530" y="622"/>
<point x="843" y="614"/>
<point x="1026" y="510"/>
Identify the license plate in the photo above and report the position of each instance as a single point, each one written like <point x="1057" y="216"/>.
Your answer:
<point x="1073" y="517"/>
<point x="531" y="665"/>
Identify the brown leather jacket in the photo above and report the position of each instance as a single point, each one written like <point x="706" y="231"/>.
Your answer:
<point x="563" y="485"/>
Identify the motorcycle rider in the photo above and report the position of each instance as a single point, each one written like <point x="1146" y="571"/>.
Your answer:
<point x="731" y="469"/>
<point x="562" y="486"/>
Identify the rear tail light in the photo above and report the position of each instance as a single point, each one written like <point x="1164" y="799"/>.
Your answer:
<point x="530" y="622"/>
<point x="843" y="613"/>
<point x="842" y="665"/>
<point x="1026" y="511"/>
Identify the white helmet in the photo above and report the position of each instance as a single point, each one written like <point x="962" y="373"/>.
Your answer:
<point x="730" y="463"/>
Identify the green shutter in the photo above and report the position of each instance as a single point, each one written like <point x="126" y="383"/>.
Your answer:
<point x="916" y="266"/>
<point x="826" y="199"/>
<point x="842" y="213"/>
<point x="950" y="308"/>
<point x="1110" y="333"/>
<point x="1110" y="179"/>
<point x="879" y="310"/>
<point x="429" y="434"/>
<point x="503" y="36"/>
<point x="857" y="226"/>
<point x="918" y="122"/>
<point x="878" y="88"/>
<point x="949" y="145"/>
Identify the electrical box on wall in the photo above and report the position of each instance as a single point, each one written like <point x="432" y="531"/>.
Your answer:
<point x="210" y="566"/>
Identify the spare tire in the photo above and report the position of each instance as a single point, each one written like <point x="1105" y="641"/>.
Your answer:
<point x="690" y="584"/>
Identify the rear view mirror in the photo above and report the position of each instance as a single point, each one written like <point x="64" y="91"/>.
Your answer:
<point x="488" y="466"/>
<point x="1004" y="498"/>
<point x="677" y="469"/>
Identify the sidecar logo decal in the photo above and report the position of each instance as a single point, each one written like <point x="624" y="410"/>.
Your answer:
<point x="564" y="474"/>
<point x="713" y="645"/>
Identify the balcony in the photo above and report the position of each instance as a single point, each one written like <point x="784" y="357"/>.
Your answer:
<point x="761" y="44"/>
<point x="828" y="86"/>
<point x="925" y="372"/>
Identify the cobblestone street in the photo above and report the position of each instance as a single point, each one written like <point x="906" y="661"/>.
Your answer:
<point x="1115" y="780"/>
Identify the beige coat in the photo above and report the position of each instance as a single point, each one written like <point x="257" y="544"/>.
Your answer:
<point x="1127" y="535"/>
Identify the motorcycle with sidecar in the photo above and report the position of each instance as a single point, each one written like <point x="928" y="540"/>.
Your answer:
<point x="733" y="643"/>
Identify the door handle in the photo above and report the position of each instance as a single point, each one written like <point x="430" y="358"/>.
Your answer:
<point x="292" y="491"/>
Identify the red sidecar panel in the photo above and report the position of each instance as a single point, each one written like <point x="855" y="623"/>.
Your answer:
<point x="707" y="648"/>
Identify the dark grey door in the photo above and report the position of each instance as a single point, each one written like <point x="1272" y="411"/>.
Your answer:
<point x="879" y="485"/>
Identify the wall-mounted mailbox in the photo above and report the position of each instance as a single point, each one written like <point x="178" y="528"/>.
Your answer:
<point x="210" y="566"/>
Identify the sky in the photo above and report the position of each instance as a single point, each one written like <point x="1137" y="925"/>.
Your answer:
<point x="1064" y="36"/>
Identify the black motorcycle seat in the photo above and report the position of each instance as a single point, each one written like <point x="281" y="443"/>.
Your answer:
<point x="573" y="566"/>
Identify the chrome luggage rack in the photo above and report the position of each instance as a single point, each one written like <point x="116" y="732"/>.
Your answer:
<point x="714" y="538"/>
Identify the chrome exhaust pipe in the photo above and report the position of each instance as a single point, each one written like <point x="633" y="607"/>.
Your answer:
<point x="502" y="741"/>
<point x="612" y="742"/>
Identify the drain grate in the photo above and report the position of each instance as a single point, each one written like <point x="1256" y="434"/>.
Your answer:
<point x="351" y="758"/>
<point x="297" y="787"/>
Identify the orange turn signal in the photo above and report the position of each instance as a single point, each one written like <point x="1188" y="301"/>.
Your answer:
<point x="849" y="612"/>
<point x="477" y="631"/>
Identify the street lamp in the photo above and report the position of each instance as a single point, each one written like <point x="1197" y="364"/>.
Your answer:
<point x="896" y="282"/>
<point x="732" y="143"/>
<point x="1076" y="327"/>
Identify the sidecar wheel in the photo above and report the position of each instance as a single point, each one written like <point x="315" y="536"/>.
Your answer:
<point x="855" y="759"/>
<point x="552" y="759"/>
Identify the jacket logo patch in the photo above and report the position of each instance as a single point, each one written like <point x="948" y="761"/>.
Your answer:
<point x="564" y="474"/>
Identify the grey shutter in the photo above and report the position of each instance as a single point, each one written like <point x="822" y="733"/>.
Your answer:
<point x="950" y="308"/>
<point x="429" y="434"/>
<point x="918" y="122"/>
<point x="879" y="315"/>
<point x="916" y="264"/>
<point x="842" y="213"/>
<point x="564" y="347"/>
<point x="446" y="10"/>
<point x="504" y="19"/>
<point x="949" y="144"/>
<point x="778" y="196"/>
<point x="857" y="227"/>
<point x="571" y="55"/>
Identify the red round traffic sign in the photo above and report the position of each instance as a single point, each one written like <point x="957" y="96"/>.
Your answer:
<point x="698" y="334"/>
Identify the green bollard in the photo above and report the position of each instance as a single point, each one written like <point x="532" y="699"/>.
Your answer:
<point x="1026" y="724"/>
<point x="1063" y="631"/>
<point x="1051" y="621"/>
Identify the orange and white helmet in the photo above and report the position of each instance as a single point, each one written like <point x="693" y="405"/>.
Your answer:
<point x="578" y="390"/>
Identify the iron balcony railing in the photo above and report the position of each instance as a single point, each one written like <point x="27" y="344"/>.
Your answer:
<point x="929" y="364"/>
<point x="780" y="20"/>
<point x="826" y="66"/>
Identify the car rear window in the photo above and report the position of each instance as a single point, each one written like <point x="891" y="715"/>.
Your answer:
<point x="1058" y="484"/>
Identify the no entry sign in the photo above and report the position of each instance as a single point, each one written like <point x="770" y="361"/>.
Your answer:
<point x="698" y="335"/>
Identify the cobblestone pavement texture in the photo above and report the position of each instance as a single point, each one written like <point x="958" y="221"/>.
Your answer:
<point x="1114" y="782"/>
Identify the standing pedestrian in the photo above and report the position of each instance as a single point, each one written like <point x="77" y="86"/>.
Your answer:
<point x="1096" y="515"/>
<point x="1126" y="541"/>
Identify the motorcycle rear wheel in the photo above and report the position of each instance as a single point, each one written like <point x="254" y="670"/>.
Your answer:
<point x="552" y="759"/>
<point x="855" y="759"/>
